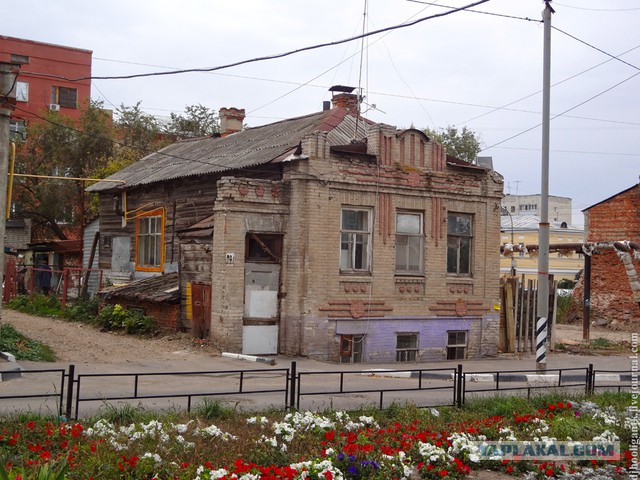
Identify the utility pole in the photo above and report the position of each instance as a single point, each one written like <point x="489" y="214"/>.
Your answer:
<point x="543" y="240"/>
<point x="8" y="78"/>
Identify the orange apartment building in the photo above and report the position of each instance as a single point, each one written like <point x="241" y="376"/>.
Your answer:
<point x="42" y="83"/>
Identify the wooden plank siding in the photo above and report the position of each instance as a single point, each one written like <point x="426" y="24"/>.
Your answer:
<point x="186" y="202"/>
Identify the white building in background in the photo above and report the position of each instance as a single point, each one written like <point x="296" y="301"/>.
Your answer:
<point x="559" y="207"/>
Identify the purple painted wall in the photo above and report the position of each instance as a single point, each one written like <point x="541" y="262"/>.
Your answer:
<point x="379" y="344"/>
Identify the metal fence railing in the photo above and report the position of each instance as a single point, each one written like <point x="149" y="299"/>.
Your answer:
<point x="345" y="389"/>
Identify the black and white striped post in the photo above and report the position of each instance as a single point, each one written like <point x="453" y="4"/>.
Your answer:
<point x="541" y="343"/>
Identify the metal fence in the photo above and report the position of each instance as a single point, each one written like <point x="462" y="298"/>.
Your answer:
<point x="286" y="387"/>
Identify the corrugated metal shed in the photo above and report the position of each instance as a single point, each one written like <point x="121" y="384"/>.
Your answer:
<point x="161" y="288"/>
<point x="250" y="147"/>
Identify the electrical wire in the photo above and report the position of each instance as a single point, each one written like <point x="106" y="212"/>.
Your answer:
<point x="598" y="9"/>
<point x="263" y="58"/>
<point x="562" y="113"/>
<point x="477" y="11"/>
<point x="539" y="91"/>
<point x="595" y="48"/>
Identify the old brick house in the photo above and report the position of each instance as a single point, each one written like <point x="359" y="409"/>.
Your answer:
<point x="332" y="237"/>
<point x="615" y="292"/>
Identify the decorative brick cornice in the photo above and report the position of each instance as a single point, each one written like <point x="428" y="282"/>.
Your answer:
<point x="356" y="309"/>
<point x="459" y="308"/>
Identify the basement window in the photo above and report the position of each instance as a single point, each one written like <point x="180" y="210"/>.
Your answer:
<point x="407" y="347"/>
<point x="351" y="348"/>
<point x="456" y="344"/>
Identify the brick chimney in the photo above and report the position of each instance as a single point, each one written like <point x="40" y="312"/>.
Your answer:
<point x="230" y="120"/>
<point x="342" y="97"/>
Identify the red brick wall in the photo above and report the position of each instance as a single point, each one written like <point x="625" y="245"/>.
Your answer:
<point x="615" y="219"/>
<point x="166" y="316"/>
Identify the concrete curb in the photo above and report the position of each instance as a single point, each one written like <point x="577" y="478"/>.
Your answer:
<point x="550" y="379"/>
<point x="10" y="371"/>
<point x="250" y="358"/>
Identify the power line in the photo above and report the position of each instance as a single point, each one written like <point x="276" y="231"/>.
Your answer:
<point x="596" y="48"/>
<point x="562" y="113"/>
<point x="581" y="152"/>
<point x="555" y="84"/>
<point x="267" y="57"/>
<point x="477" y="11"/>
<point x="598" y="9"/>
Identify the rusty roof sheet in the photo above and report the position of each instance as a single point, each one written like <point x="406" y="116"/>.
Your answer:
<point x="161" y="288"/>
<point x="247" y="148"/>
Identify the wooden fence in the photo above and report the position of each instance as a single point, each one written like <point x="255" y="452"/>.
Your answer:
<point x="519" y="312"/>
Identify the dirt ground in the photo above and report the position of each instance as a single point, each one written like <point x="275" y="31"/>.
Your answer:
<point x="79" y="343"/>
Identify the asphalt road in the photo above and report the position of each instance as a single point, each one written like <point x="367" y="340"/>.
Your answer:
<point x="183" y="385"/>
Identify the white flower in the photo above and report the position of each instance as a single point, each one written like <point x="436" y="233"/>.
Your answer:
<point x="156" y="458"/>
<point x="435" y="412"/>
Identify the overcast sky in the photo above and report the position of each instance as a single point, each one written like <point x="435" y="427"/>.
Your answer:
<point x="480" y="70"/>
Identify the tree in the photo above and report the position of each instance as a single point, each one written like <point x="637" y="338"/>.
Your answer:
<point x="197" y="121"/>
<point x="94" y="147"/>
<point x="463" y="144"/>
<point x="57" y="147"/>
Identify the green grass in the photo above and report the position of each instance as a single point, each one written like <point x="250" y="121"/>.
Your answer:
<point x="24" y="348"/>
<point x="135" y="432"/>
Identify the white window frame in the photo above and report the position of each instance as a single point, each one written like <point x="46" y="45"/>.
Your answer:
<point x="22" y="91"/>
<point x="150" y="241"/>
<point x="407" y="242"/>
<point x="355" y="243"/>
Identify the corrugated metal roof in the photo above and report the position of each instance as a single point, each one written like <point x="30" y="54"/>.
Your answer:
<point x="161" y="288"/>
<point x="250" y="147"/>
<point x="531" y="222"/>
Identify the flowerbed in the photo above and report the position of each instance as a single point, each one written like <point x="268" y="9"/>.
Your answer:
<point x="402" y="443"/>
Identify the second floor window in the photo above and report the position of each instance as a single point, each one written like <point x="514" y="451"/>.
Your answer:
<point x="409" y="243"/>
<point x="65" y="97"/>
<point x="150" y="241"/>
<point x="355" y="233"/>
<point x="459" y="239"/>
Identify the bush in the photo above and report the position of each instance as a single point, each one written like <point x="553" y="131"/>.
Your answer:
<point x="114" y="317"/>
<point x="38" y="304"/>
<point x="84" y="310"/>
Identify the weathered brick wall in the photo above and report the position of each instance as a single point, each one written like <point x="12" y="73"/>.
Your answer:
<point x="410" y="177"/>
<point x="18" y="234"/>
<point x="317" y="301"/>
<point x="242" y="205"/>
<point x="615" y="219"/>
<point x="165" y="316"/>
